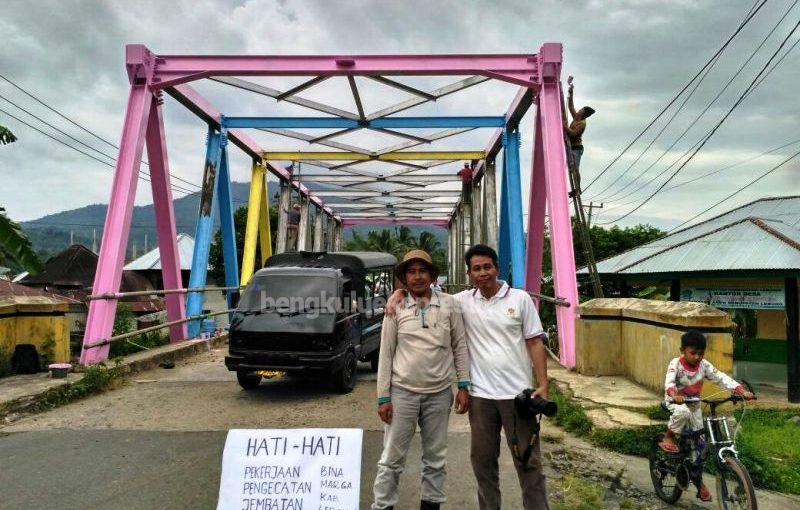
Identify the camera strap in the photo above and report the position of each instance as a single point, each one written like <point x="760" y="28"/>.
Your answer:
<point x="526" y="455"/>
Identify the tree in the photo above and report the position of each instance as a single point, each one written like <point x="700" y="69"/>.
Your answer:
<point x="605" y="243"/>
<point x="398" y="243"/>
<point x="16" y="246"/>
<point x="215" y="258"/>
<point x="6" y="136"/>
<point x="13" y="243"/>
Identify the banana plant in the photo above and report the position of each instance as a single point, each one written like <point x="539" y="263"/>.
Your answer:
<point x="6" y="136"/>
<point x="15" y="244"/>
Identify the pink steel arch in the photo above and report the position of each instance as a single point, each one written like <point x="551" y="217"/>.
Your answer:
<point x="150" y="74"/>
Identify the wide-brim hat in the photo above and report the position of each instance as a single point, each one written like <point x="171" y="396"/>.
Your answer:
<point x="415" y="256"/>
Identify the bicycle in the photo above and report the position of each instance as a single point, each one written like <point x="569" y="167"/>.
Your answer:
<point x="671" y="473"/>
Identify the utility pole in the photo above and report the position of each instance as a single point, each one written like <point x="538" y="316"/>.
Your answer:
<point x="591" y="207"/>
<point x="94" y="240"/>
<point x="583" y="229"/>
<point x="71" y="237"/>
<point x="145" y="239"/>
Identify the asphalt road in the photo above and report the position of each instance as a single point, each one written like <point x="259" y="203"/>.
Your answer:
<point x="157" y="443"/>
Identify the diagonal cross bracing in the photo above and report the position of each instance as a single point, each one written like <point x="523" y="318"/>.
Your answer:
<point x="389" y="156"/>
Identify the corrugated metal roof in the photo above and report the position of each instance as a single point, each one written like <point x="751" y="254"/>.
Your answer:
<point x="758" y="236"/>
<point x="152" y="259"/>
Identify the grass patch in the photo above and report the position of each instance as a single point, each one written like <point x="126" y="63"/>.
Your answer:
<point x="571" y="416"/>
<point x="139" y="343"/>
<point x="767" y="442"/>
<point x="768" y="445"/>
<point x="573" y="493"/>
<point x="656" y="412"/>
<point x="96" y="378"/>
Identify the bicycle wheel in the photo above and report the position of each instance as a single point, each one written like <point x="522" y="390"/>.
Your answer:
<point x="734" y="487"/>
<point x="663" y="468"/>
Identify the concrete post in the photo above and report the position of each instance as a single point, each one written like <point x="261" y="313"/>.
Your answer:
<point x="459" y="279"/>
<point x="302" y="227"/>
<point x="450" y="255"/>
<point x="283" y="217"/>
<point x="477" y="219"/>
<point x="466" y="212"/>
<point x="490" y="204"/>
<point x="318" y="246"/>
<point x="330" y="233"/>
<point x="339" y="233"/>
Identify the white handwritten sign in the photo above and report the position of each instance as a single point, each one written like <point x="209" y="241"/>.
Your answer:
<point x="291" y="469"/>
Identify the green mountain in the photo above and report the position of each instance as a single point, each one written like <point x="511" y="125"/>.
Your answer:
<point x="51" y="234"/>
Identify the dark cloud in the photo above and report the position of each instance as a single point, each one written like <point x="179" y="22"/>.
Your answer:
<point x="628" y="57"/>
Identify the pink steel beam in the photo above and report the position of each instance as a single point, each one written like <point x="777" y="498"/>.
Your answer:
<point x="170" y="70"/>
<point x="198" y="105"/>
<point x="536" y="209"/>
<point x="100" y="320"/>
<point x="347" y="222"/>
<point x="165" y="221"/>
<point x="555" y="177"/>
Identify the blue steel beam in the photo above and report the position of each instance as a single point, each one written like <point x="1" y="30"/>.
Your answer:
<point x="514" y="202"/>
<point x="202" y="234"/>
<point x="503" y="230"/>
<point x="227" y="227"/>
<point x="381" y="123"/>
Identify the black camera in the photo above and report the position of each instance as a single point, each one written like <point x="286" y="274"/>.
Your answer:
<point x="530" y="407"/>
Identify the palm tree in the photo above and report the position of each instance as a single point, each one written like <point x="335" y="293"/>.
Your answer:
<point x="428" y="242"/>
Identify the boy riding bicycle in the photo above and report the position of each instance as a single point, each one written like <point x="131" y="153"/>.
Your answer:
<point x="685" y="376"/>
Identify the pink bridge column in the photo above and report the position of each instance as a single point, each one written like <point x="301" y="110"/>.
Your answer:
<point x="555" y="164"/>
<point x="100" y="321"/>
<point x="165" y="220"/>
<point x="536" y="209"/>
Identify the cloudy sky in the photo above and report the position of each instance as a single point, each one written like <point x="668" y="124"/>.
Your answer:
<point x="629" y="59"/>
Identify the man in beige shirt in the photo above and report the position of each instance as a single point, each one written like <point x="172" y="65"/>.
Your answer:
<point x="420" y="346"/>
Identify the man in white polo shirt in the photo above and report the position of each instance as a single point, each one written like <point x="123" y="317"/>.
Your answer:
<point x="504" y="336"/>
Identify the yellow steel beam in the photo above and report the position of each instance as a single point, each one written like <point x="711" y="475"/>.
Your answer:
<point x="389" y="156"/>
<point x="253" y="216"/>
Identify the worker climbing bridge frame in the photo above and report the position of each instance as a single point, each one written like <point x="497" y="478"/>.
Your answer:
<point x="400" y="196"/>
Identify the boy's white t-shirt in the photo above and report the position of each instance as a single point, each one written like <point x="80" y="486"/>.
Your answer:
<point x="497" y="328"/>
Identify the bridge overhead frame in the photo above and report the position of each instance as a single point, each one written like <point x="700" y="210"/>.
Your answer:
<point x="362" y="196"/>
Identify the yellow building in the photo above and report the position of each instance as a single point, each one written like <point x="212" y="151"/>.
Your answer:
<point x="38" y="320"/>
<point x="745" y="262"/>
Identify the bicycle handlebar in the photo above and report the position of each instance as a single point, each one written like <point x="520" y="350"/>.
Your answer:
<point x="734" y="397"/>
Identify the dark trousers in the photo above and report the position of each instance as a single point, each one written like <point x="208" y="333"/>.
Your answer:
<point x="486" y="417"/>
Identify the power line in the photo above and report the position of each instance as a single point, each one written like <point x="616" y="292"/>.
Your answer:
<point x="598" y="195"/>
<point x="697" y="119"/>
<point x="76" y="124"/>
<point x="760" y="177"/>
<point x="744" y="22"/>
<point x="714" y="129"/>
<point x="174" y="186"/>
<point x="714" y="172"/>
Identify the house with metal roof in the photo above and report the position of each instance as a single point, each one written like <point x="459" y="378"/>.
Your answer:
<point x="745" y="261"/>
<point x="149" y="264"/>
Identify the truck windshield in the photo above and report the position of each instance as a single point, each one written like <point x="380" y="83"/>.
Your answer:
<point x="288" y="293"/>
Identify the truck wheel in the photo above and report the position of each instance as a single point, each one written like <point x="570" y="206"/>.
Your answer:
<point x="345" y="379"/>
<point x="248" y="380"/>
